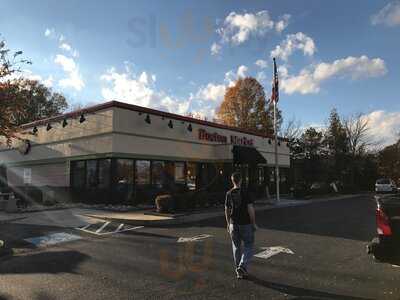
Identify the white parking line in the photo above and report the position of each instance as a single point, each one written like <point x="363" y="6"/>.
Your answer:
<point x="271" y="251"/>
<point x="98" y="231"/>
<point x="102" y="227"/>
<point x="123" y="230"/>
<point x="196" y="238"/>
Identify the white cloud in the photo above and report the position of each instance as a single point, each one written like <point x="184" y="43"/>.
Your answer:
<point x="238" y="28"/>
<point x="215" y="49"/>
<point x="261" y="76"/>
<point x="139" y="90"/>
<point x="241" y="71"/>
<point x="213" y="92"/>
<point x="49" y="32"/>
<point x="384" y="126"/>
<point x="304" y="83"/>
<point x="231" y="76"/>
<point x="62" y="41"/>
<point x="298" y="41"/>
<point x="66" y="47"/>
<point x="389" y="15"/>
<point x="262" y="64"/>
<point x="28" y="74"/>
<point x="309" y="79"/>
<point x="67" y="63"/>
<point x="74" y="78"/>
<point x="281" y="24"/>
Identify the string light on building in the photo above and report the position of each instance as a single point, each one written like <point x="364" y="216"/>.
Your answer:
<point x="148" y="120"/>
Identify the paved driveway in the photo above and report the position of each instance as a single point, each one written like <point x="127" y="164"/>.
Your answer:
<point x="329" y="261"/>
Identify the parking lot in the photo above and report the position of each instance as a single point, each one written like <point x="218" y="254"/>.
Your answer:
<point x="314" y="251"/>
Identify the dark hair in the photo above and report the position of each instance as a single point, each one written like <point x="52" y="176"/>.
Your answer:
<point x="236" y="177"/>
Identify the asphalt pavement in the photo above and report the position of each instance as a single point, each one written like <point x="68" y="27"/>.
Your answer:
<point x="194" y="261"/>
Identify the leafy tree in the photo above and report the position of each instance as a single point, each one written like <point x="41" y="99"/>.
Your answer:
<point x="310" y="150"/>
<point x="336" y="137"/>
<point x="22" y="100"/>
<point x="337" y="143"/>
<point x="40" y="101"/>
<point x="12" y="106"/>
<point x="389" y="162"/>
<point x="244" y="106"/>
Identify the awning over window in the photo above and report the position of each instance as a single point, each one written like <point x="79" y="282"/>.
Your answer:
<point x="247" y="155"/>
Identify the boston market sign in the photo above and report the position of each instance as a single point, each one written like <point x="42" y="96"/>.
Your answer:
<point x="215" y="137"/>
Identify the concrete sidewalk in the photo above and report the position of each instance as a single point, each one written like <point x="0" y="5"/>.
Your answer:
<point x="146" y="219"/>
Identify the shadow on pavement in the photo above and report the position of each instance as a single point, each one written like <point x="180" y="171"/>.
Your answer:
<point x="348" y="218"/>
<point x="14" y="234"/>
<point x="301" y="293"/>
<point x="148" y="234"/>
<point x="52" y="262"/>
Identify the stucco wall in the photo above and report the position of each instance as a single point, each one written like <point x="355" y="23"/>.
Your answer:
<point x="56" y="175"/>
<point x="134" y="135"/>
<point x="122" y="131"/>
<point x="76" y="139"/>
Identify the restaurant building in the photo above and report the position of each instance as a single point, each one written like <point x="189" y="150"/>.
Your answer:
<point x="120" y="153"/>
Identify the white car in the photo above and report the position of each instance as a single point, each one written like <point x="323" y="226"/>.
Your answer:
<point x="385" y="186"/>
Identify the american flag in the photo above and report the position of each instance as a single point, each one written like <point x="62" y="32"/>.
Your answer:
<point x="275" y="85"/>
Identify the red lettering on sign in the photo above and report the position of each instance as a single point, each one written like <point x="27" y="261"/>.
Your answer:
<point x="215" y="137"/>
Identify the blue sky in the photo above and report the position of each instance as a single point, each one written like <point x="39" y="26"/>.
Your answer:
<point x="181" y="55"/>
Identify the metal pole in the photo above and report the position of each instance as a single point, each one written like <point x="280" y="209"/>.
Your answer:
<point x="276" y="156"/>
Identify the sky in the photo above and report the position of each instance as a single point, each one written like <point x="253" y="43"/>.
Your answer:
<point x="180" y="56"/>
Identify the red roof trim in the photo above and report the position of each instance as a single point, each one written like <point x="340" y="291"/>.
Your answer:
<point x="141" y="109"/>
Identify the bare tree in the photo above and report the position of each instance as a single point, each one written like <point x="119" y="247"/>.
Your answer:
<point x="292" y="129"/>
<point x="357" y="132"/>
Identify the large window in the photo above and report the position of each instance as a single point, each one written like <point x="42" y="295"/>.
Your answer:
<point x="124" y="180"/>
<point x="142" y="172"/>
<point x="191" y="176"/>
<point x="180" y="172"/>
<point x="104" y="171"/>
<point x="78" y="174"/>
<point x="261" y="175"/>
<point x="158" y="174"/>
<point x="91" y="174"/>
<point x="124" y="171"/>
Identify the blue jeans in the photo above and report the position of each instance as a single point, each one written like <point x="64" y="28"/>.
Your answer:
<point x="241" y="233"/>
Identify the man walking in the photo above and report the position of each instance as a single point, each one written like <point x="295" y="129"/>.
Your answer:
<point x="241" y="224"/>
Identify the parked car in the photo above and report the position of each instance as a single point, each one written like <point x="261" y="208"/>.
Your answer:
<point x="387" y="243"/>
<point x="385" y="185"/>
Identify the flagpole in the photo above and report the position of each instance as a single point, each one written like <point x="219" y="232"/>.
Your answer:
<point x="276" y="156"/>
<point x="277" y="177"/>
